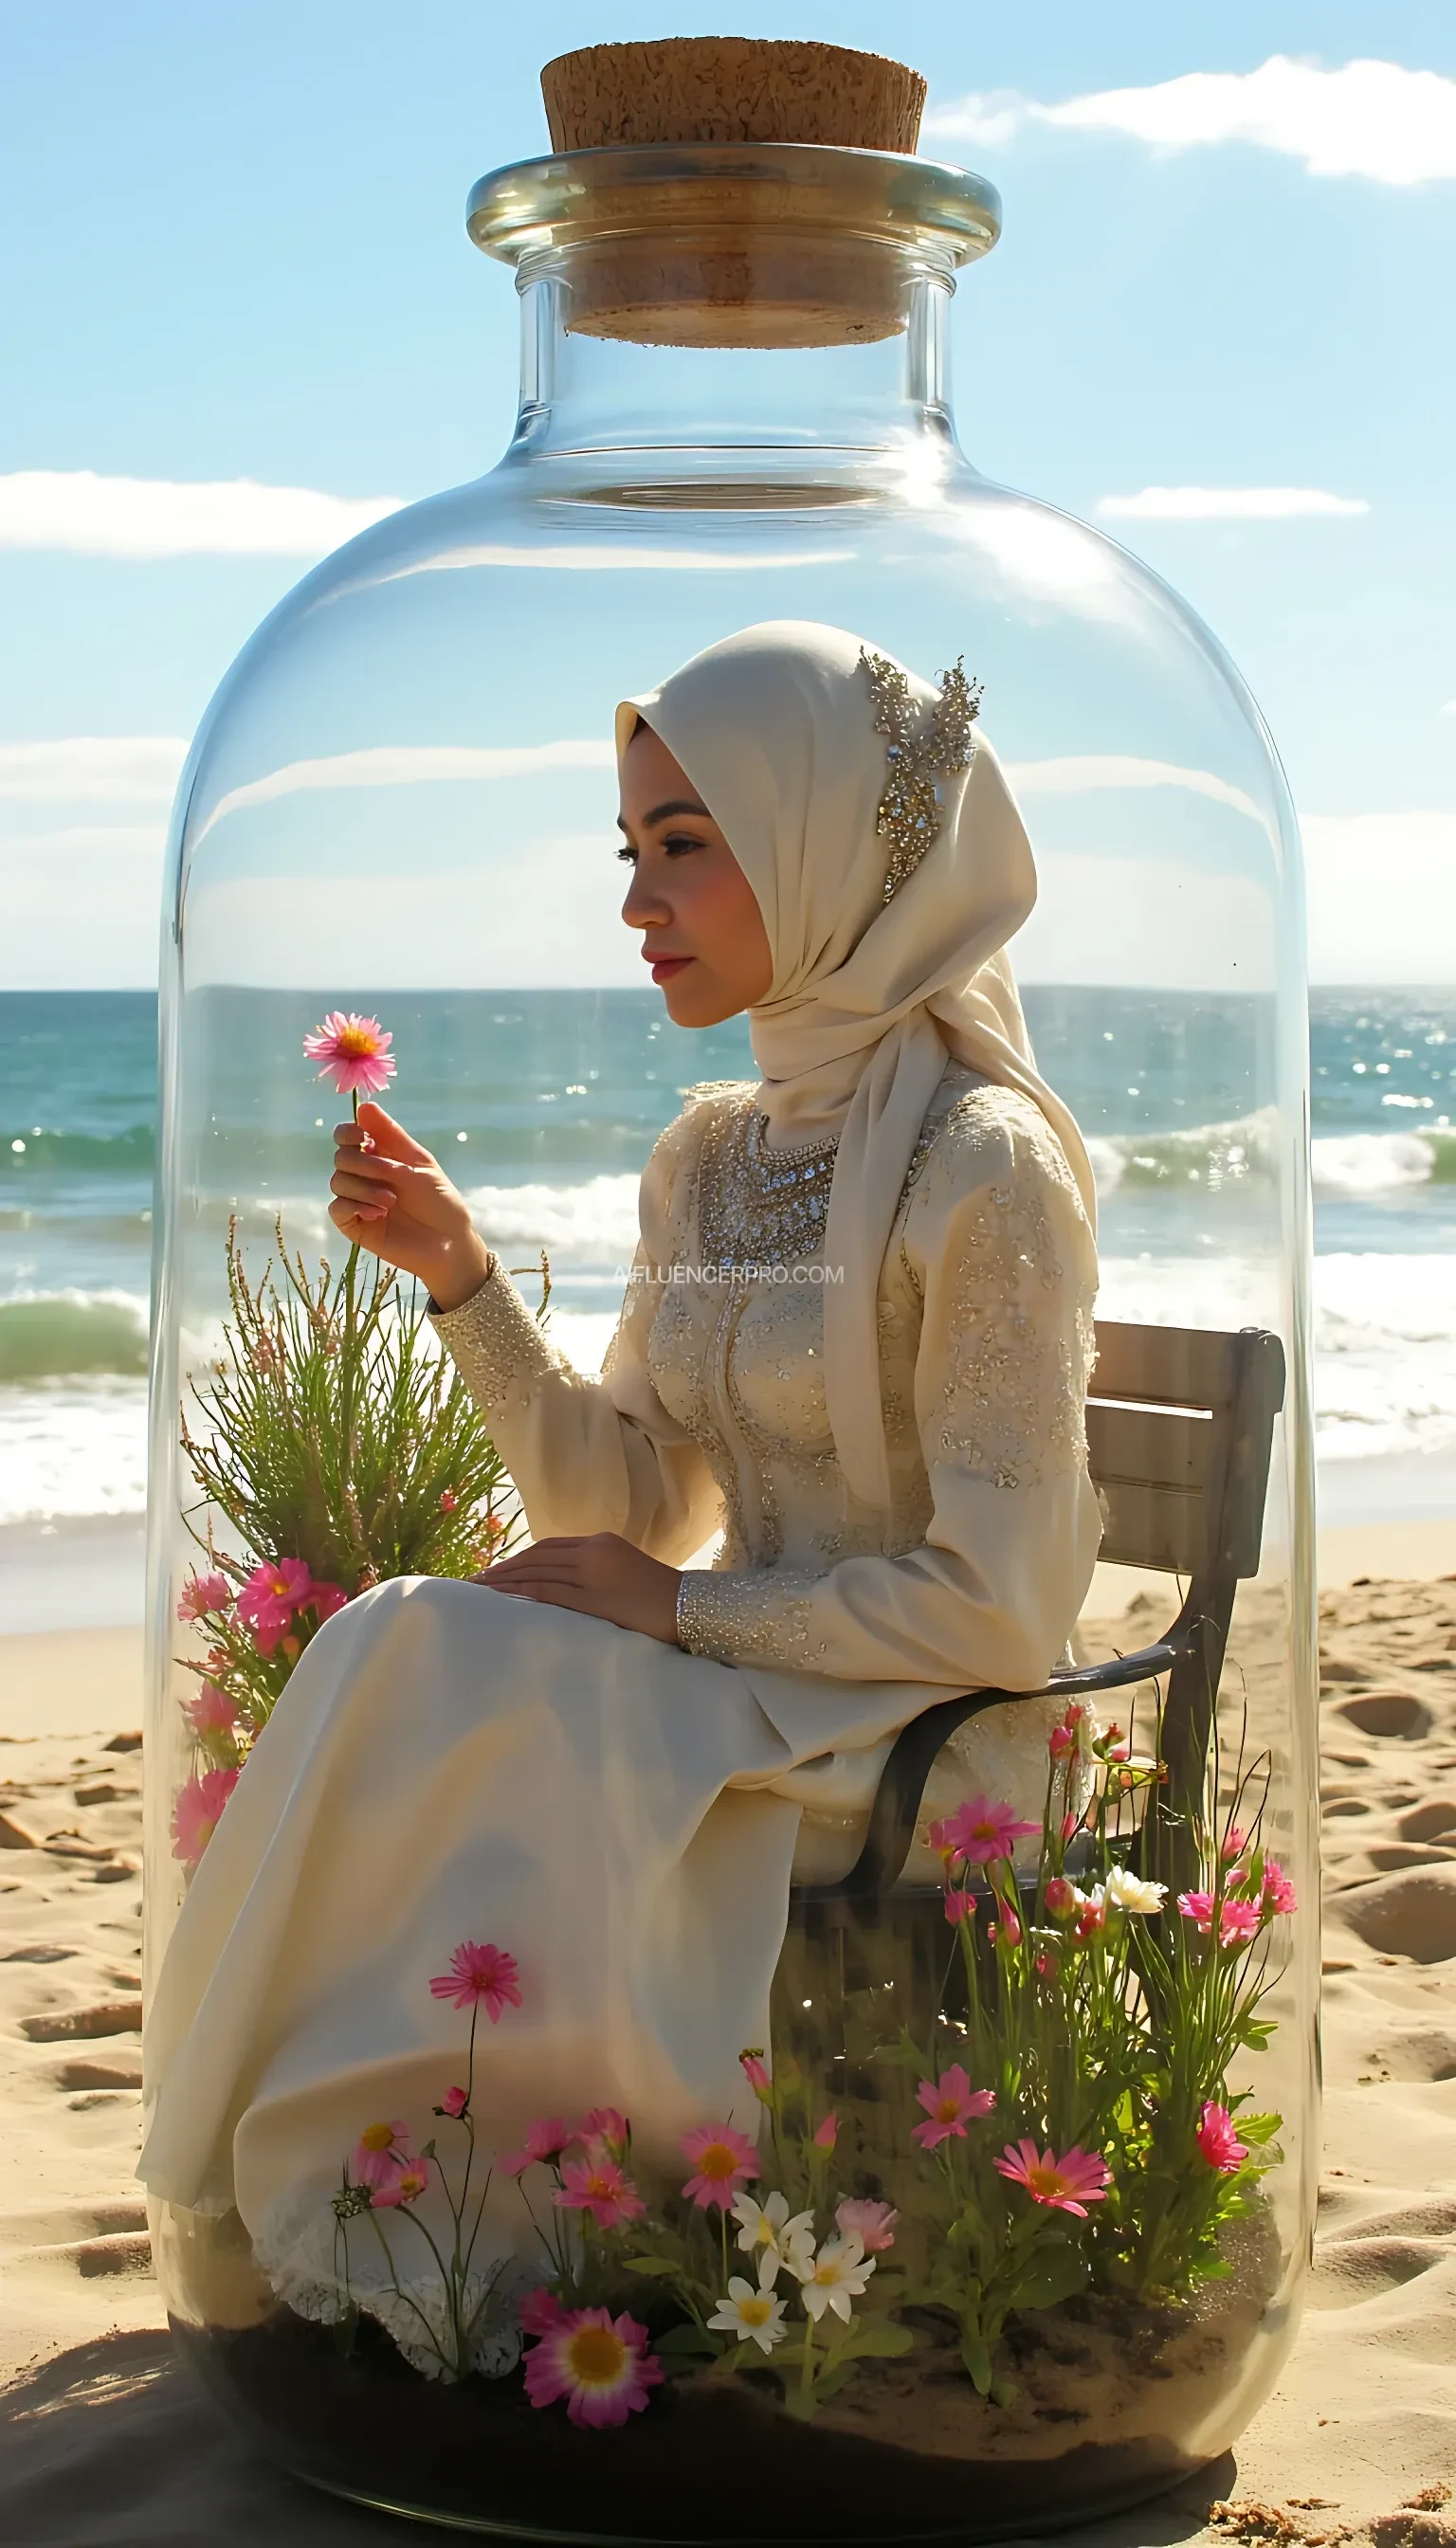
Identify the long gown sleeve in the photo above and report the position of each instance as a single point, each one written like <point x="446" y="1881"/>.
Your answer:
<point x="589" y="1455"/>
<point x="997" y="1243"/>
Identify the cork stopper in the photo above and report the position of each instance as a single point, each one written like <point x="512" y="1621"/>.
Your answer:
<point x="731" y="88"/>
<point x="719" y="191"/>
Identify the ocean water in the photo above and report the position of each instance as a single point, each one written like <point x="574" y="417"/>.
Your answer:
<point x="544" y="1105"/>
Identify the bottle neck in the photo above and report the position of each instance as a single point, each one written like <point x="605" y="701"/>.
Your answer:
<point x="588" y="393"/>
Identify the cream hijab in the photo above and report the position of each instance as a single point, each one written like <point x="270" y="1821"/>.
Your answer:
<point x="776" y="728"/>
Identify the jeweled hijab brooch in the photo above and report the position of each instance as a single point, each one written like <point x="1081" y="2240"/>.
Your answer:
<point x="921" y="746"/>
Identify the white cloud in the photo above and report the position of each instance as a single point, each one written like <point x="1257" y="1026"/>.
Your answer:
<point x="1368" y="119"/>
<point x="1226" y="504"/>
<point x="136" y="768"/>
<point x="1076" y="774"/>
<point x="1382" y="896"/>
<point x="162" y="517"/>
<point x="404" y="765"/>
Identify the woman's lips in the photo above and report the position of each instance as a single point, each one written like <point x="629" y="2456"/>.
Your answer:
<point x="665" y="966"/>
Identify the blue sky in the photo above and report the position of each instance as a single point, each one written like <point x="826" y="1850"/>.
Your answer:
<point x="241" y="255"/>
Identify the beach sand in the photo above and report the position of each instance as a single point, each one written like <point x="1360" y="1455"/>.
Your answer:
<point x="103" y="2440"/>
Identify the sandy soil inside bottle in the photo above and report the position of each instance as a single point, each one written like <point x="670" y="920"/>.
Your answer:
<point x="1112" y="2394"/>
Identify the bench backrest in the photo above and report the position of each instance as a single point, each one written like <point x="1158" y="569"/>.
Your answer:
<point x="1179" y="1428"/>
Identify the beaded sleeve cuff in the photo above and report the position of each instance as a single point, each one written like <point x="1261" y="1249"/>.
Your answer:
<point x="762" y="1617"/>
<point x="496" y="1345"/>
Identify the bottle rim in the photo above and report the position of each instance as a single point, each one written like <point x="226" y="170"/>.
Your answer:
<point x="571" y="199"/>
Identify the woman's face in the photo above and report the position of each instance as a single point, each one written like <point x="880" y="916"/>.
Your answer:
<point x="702" y="932"/>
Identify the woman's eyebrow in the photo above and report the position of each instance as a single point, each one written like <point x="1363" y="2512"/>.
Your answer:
<point x="675" y="806"/>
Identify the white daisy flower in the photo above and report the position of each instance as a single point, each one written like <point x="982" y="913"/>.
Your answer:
<point x="835" y="2277"/>
<point x="769" y="2227"/>
<point x="1126" y="1891"/>
<point x="753" y="2313"/>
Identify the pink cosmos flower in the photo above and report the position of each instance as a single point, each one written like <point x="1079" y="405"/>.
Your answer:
<point x="1279" y="1892"/>
<point x="597" y="2186"/>
<point x="1239" y="1922"/>
<point x="379" y="2151"/>
<point x="202" y="1594"/>
<point x="1060" y="1897"/>
<point x="212" y="1712"/>
<point x="597" y="2363"/>
<point x="197" y="1812"/>
<point x="979" y="1832"/>
<point x="1006" y="1931"/>
<point x="756" y="2073"/>
<point x="1218" y="2141"/>
<point x="1068" y="1826"/>
<point x="827" y="2134"/>
<point x="540" y="2313"/>
<point x="453" y="2103"/>
<point x="405" y="2183"/>
<point x="959" y="1905"/>
<point x="480" y="1977"/>
<point x="1062" y="1740"/>
<point x="1236" y="1842"/>
<point x="1065" y="2184"/>
<point x="723" y="2163"/>
<point x="354" y="1050"/>
<point x="545" y="2141"/>
<point x="605" y="2127"/>
<point x="324" y="1599"/>
<point x="271" y="1597"/>
<point x="872" y="2224"/>
<point x="951" y="2103"/>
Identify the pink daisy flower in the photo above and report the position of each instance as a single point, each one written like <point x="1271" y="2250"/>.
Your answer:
<point x="545" y="2141"/>
<point x="599" y="2364"/>
<point x="872" y="2224"/>
<point x="607" y="2126"/>
<point x="1218" y="2141"/>
<point x="212" y="1712"/>
<point x="480" y="1977"/>
<point x="827" y="2134"/>
<point x="540" y="2312"/>
<point x="197" y="1812"/>
<point x="453" y="2103"/>
<point x="723" y="2163"/>
<point x="597" y="2186"/>
<point x="202" y="1594"/>
<point x="323" y="1599"/>
<point x="951" y="2103"/>
<point x="959" y="1905"/>
<point x="1239" y="1922"/>
<point x="271" y="1597"/>
<point x="1236" y="1842"/>
<point x="354" y="1050"/>
<point x="378" y="2152"/>
<point x="405" y="2183"/>
<point x="979" y="1832"/>
<point x="1279" y="1892"/>
<point x="1065" y="2184"/>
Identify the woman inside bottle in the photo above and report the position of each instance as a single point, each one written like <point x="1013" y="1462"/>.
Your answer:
<point x="854" y="1349"/>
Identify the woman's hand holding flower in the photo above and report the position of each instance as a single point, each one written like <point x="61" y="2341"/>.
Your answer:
<point x="393" y="1197"/>
<point x="603" y="1576"/>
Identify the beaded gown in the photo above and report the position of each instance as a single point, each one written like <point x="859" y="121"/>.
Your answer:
<point x="623" y="1816"/>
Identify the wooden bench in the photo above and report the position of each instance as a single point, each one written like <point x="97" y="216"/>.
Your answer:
<point x="1180" y="1422"/>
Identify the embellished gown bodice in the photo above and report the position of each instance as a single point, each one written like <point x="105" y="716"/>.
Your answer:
<point x="710" y="1414"/>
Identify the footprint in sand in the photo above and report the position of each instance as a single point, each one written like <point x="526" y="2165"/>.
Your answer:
<point x="1392" y="1715"/>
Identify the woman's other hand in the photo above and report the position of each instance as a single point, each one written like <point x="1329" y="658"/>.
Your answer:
<point x="603" y="1576"/>
<point x="393" y="1198"/>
